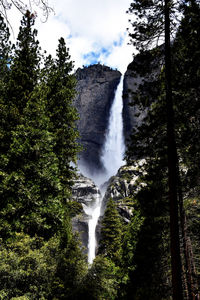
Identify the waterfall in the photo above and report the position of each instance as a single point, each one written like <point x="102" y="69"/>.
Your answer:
<point x="114" y="147"/>
<point x="93" y="212"/>
<point x="112" y="160"/>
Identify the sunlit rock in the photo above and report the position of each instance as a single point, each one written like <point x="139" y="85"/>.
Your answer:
<point x="86" y="193"/>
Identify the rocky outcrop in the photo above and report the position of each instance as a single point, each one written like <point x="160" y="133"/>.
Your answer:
<point x="96" y="87"/>
<point x="122" y="187"/>
<point x="84" y="192"/>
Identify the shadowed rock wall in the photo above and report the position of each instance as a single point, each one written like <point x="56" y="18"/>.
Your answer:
<point x="96" y="89"/>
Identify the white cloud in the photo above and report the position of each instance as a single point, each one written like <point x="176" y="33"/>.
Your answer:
<point x="88" y="27"/>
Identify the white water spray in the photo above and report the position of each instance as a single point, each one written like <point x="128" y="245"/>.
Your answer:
<point x="113" y="150"/>
<point x="112" y="160"/>
<point x="93" y="211"/>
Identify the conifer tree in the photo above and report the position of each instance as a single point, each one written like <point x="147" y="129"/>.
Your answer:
<point x="61" y="84"/>
<point x="23" y="73"/>
<point x="153" y="19"/>
<point x="25" y="64"/>
<point x="4" y="73"/>
<point x="4" y="48"/>
<point x="31" y="189"/>
<point x="111" y="233"/>
<point x="101" y="280"/>
<point x="186" y="66"/>
<point x="39" y="147"/>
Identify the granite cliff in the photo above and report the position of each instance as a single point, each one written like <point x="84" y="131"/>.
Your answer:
<point x="96" y="87"/>
<point x="140" y="76"/>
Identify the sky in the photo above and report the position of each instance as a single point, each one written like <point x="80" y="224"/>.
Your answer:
<point x="94" y="30"/>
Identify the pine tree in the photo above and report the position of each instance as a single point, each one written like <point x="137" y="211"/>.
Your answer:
<point x="101" y="280"/>
<point x="40" y="146"/>
<point x="154" y="20"/>
<point x="186" y="66"/>
<point x="71" y="264"/>
<point x="62" y="113"/>
<point x="111" y="233"/>
<point x="4" y="106"/>
<point x="23" y="74"/>
<point x="24" y="67"/>
<point x="145" y="247"/>
<point x="4" y="48"/>
<point x="30" y="191"/>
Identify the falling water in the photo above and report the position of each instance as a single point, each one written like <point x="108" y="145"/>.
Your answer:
<point x="93" y="212"/>
<point x="113" y="150"/>
<point x="112" y="160"/>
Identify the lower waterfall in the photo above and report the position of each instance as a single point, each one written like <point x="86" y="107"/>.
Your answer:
<point x="112" y="160"/>
<point x="93" y="211"/>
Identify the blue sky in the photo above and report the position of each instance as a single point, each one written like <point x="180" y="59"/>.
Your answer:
<point x="94" y="30"/>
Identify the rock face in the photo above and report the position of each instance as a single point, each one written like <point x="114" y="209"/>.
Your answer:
<point x="84" y="192"/>
<point x="95" y="93"/>
<point x="143" y="70"/>
<point x="96" y="88"/>
<point x="122" y="187"/>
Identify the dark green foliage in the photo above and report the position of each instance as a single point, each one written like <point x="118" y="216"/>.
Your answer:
<point x="33" y="179"/>
<point x="38" y="269"/>
<point x="111" y="233"/>
<point x="4" y="49"/>
<point x="100" y="283"/>
<point x="186" y="68"/>
<point x="61" y="91"/>
<point x="145" y="250"/>
<point x="4" y="107"/>
<point x="71" y="265"/>
<point x="192" y="208"/>
<point x="40" y="256"/>
<point x="30" y="176"/>
<point x="27" y="267"/>
<point x="38" y="139"/>
<point x="24" y="67"/>
<point x="150" y="277"/>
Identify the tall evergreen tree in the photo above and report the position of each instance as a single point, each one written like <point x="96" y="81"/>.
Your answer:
<point x="38" y="145"/>
<point x="111" y="233"/>
<point x="154" y="20"/>
<point x="23" y="74"/>
<point x="61" y="84"/>
<point x="4" y="73"/>
<point x="25" y="64"/>
<point x="186" y="66"/>
<point x="4" y="48"/>
<point x="30" y="191"/>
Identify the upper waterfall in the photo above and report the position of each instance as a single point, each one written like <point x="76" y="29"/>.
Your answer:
<point x="114" y="146"/>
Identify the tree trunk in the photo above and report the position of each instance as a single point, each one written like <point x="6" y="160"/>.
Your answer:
<point x="186" y="254"/>
<point x="172" y="167"/>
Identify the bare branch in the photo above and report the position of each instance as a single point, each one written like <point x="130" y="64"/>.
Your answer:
<point x="22" y="7"/>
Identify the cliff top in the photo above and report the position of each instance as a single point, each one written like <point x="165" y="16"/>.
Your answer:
<point x="96" y="70"/>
